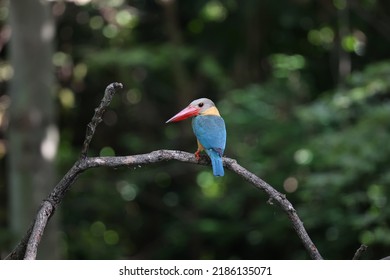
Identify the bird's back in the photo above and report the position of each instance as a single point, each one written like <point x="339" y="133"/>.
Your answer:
<point x="210" y="131"/>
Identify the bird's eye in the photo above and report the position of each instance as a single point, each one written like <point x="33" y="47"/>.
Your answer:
<point x="201" y="104"/>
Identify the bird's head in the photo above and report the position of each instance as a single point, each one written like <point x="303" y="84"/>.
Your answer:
<point x="197" y="107"/>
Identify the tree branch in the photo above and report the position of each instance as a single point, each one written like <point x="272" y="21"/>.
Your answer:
<point x="41" y="221"/>
<point x="97" y="117"/>
<point x="281" y="201"/>
<point x="359" y="252"/>
<point x="28" y="246"/>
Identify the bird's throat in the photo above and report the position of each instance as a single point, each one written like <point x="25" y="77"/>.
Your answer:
<point x="211" y="111"/>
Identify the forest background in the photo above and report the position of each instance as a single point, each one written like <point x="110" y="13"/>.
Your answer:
<point x="303" y="86"/>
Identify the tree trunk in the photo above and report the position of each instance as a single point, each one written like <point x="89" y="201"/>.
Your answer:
<point x="33" y="135"/>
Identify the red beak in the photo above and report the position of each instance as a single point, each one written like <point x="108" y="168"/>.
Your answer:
<point x="187" y="112"/>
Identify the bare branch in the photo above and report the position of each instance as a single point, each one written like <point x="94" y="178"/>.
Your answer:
<point x="359" y="252"/>
<point x="281" y="201"/>
<point x="97" y="117"/>
<point x="42" y="219"/>
<point x="166" y="155"/>
<point x="274" y="195"/>
<point x="28" y="246"/>
<point x="26" y="249"/>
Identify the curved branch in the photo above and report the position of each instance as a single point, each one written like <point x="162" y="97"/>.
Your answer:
<point x="274" y="195"/>
<point x="28" y="246"/>
<point x="83" y="164"/>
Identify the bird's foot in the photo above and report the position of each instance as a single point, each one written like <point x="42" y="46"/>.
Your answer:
<point x="197" y="155"/>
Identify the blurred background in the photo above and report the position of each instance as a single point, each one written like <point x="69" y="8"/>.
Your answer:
<point x="303" y="86"/>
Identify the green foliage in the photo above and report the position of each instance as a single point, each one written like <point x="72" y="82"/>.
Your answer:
<point x="348" y="174"/>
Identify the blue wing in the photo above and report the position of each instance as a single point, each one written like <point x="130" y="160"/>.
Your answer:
<point x="210" y="131"/>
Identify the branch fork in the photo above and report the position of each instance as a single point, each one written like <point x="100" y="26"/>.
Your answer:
<point x="28" y="246"/>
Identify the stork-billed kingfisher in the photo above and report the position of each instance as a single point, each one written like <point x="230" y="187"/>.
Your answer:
<point x="209" y="129"/>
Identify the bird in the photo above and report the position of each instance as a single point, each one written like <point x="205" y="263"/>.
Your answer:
<point x="209" y="129"/>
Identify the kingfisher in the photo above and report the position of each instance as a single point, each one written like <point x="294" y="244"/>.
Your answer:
<point x="209" y="129"/>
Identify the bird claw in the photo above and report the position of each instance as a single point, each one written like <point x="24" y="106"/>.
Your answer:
<point x="197" y="155"/>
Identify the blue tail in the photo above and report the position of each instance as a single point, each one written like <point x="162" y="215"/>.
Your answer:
<point x="216" y="162"/>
